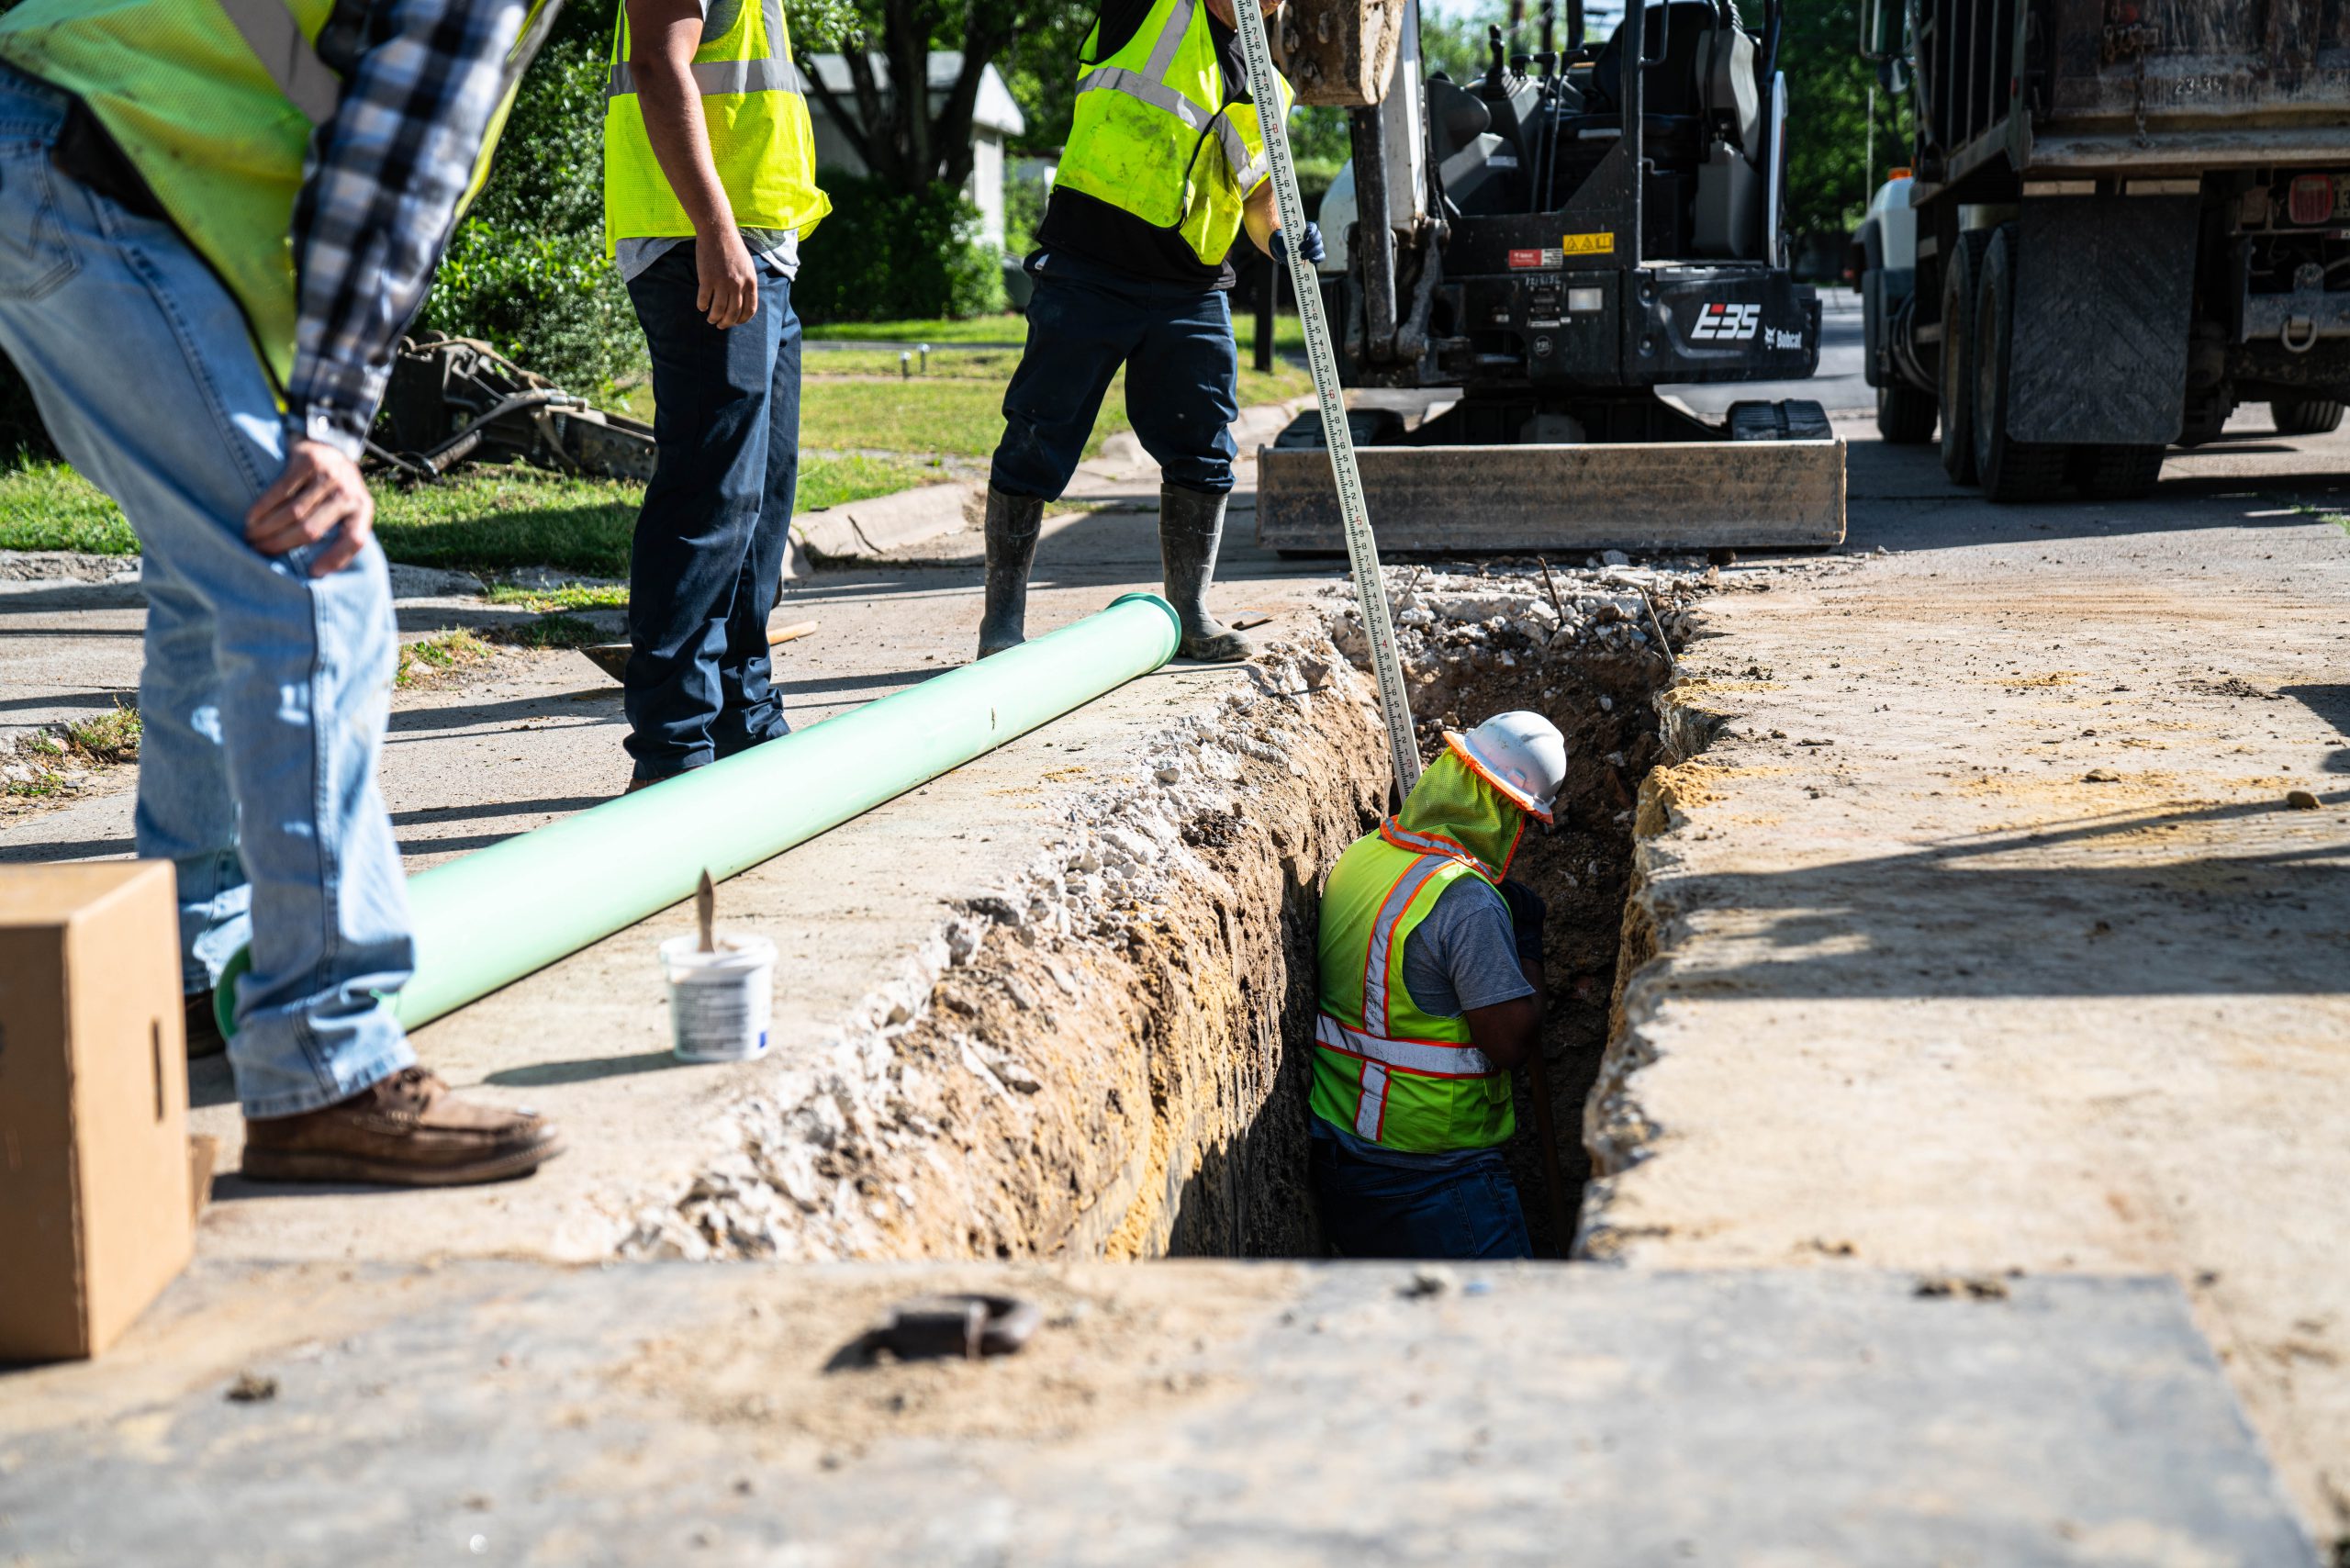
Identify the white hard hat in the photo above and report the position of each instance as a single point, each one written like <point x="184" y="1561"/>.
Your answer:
<point x="1522" y="755"/>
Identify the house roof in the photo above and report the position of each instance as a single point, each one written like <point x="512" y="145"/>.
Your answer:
<point x="993" y="109"/>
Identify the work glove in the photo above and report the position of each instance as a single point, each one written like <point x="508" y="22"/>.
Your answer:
<point x="1526" y="912"/>
<point x="1310" y="247"/>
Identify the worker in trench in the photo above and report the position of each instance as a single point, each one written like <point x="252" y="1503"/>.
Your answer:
<point x="709" y="187"/>
<point x="1431" y="993"/>
<point x="215" y="222"/>
<point x="1164" y="167"/>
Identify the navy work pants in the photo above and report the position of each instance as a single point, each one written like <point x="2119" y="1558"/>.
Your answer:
<point x="1182" y="374"/>
<point x="708" y="557"/>
<point x="1396" y="1207"/>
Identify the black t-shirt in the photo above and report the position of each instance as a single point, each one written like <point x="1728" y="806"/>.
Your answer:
<point x="1113" y="236"/>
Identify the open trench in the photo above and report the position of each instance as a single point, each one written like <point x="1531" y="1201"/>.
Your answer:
<point x="1109" y="1057"/>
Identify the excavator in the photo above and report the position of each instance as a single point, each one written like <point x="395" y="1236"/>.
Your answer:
<point x="1521" y="262"/>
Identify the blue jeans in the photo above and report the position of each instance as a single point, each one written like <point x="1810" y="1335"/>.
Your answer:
<point x="265" y="690"/>
<point x="1183" y="388"/>
<point x="708" y="558"/>
<point x="1400" y="1205"/>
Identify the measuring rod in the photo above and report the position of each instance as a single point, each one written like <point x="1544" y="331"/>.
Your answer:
<point x="1362" y="551"/>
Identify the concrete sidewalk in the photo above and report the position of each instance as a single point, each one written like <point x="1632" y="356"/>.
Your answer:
<point x="1980" y="936"/>
<point x="1188" y="1414"/>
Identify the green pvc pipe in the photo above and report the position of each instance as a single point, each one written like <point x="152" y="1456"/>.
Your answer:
<point x="496" y="915"/>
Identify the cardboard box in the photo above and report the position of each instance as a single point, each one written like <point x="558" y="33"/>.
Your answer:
<point x="93" y="1154"/>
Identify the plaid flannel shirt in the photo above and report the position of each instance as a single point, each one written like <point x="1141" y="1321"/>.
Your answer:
<point x="381" y="197"/>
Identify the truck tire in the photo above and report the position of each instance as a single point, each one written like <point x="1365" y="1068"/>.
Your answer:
<point x="2206" y="419"/>
<point x="2008" y="469"/>
<point x="2306" y="416"/>
<point x="1905" y="416"/>
<point x="1962" y="274"/>
<point x="2115" y="472"/>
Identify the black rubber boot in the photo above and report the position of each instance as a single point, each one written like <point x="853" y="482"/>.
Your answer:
<point x="1013" y="525"/>
<point x="1190" y="526"/>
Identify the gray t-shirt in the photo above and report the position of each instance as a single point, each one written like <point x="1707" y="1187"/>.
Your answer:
<point x="1464" y="954"/>
<point x="779" y="248"/>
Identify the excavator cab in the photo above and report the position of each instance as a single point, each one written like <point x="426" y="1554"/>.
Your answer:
<point x="1553" y="241"/>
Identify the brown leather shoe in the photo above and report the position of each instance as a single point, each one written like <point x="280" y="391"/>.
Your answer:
<point x="407" y="1131"/>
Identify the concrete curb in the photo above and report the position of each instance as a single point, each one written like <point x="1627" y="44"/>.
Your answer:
<point x="871" y="530"/>
<point x="867" y="530"/>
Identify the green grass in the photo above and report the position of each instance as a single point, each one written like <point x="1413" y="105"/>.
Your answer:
<point x="441" y="651"/>
<point x="1006" y="327"/>
<point x="1289" y="333"/>
<point x="477" y="520"/>
<point x="964" y="418"/>
<point x="876" y="436"/>
<point x="46" y="506"/>
<point x="104" y="741"/>
<point x="993" y="365"/>
<point x="550" y="632"/>
<point x="112" y="736"/>
<point x="570" y="596"/>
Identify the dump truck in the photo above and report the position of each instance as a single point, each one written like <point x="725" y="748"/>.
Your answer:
<point x="2122" y="219"/>
<point x="1521" y="262"/>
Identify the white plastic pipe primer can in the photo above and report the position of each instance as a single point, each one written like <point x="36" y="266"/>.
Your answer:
<point x="720" y="1003"/>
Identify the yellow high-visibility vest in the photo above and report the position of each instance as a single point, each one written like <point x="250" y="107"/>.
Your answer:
<point x="1156" y="132"/>
<point x="213" y="102"/>
<point x="754" y="103"/>
<point x="1383" y="1068"/>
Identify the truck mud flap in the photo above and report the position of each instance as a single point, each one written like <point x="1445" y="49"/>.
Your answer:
<point x="1527" y="499"/>
<point x="2103" y="290"/>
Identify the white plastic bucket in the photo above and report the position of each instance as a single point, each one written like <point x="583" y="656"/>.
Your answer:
<point x="719" y="1003"/>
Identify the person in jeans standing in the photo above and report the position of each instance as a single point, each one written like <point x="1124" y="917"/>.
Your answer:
<point x="1165" y="167"/>
<point x="214" y="221"/>
<point x="709" y="189"/>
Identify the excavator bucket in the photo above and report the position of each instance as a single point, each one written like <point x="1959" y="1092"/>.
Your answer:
<point x="1532" y="497"/>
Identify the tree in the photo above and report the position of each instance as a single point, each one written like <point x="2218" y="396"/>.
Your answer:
<point x="902" y="140"/>
<point x="1830" y="169"/>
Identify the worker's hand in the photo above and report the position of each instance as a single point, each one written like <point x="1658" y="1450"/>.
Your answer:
<point x="1310" y="246"/>
<point x="320" y="493"/>
<point x="729" y="294"/>
<point x="1526" y="914"/>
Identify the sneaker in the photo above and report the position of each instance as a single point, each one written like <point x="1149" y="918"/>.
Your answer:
<point x="407" y="1131"/>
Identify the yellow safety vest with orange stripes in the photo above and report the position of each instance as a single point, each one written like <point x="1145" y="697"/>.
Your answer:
<point x="1383" y="1068"/>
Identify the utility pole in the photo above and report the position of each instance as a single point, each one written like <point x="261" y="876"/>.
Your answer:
<point x="1868" y="161"/>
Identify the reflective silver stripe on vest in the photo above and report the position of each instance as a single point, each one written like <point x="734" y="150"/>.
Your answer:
<point x="1382" y="935"/>
<point x="1159" y="96"/>
<point x="269" y="30"/>
<point x="1371" y="1110"/>
<point x="1428" y="844"/>
<point x="1170" y="39"/>
<point x="720" y="78"/>
<point x="1423" y="1057"/>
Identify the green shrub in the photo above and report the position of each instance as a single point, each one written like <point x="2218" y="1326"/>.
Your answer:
<point x="526" y="270"/>
<point x="884" y="254"/>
